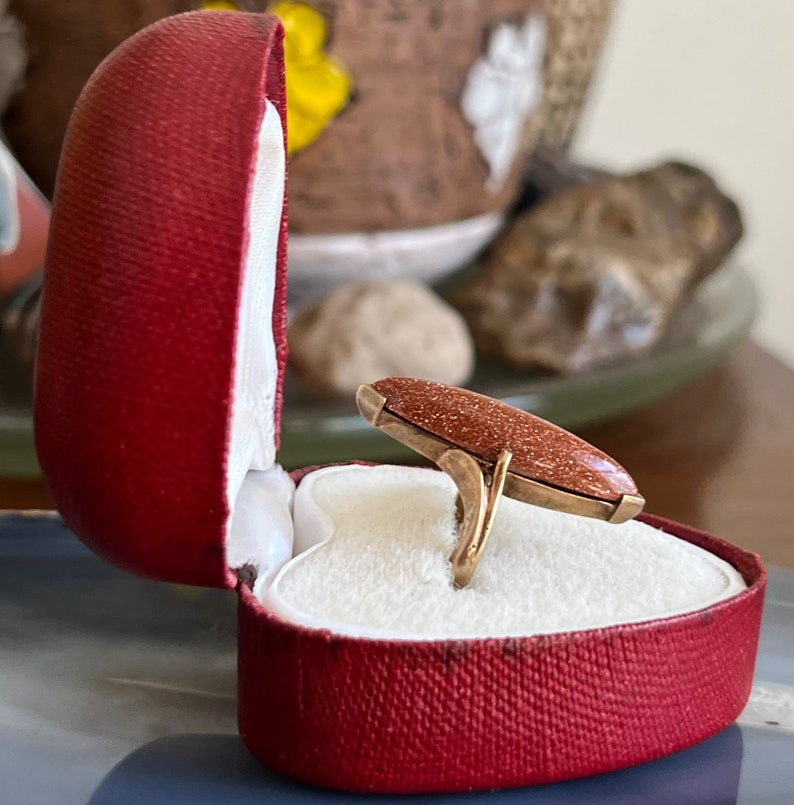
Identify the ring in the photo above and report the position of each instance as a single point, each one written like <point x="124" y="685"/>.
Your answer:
<point x="491" y="449"/>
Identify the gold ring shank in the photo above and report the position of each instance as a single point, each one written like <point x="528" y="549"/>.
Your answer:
<point x="479" y="498"/>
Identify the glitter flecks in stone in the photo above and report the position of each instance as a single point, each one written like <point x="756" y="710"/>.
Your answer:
<point x="483" y="427"/>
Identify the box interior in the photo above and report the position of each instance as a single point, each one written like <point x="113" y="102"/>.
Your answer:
<point x="363" y="551"/>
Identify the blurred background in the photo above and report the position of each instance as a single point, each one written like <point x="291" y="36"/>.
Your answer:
<point x="580" y="206"/>
<point x="711" y="81"/>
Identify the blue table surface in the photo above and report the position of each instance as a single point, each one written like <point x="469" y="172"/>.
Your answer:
<point x="115" y="689"/>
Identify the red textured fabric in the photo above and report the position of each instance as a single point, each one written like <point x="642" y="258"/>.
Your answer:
<point x="407" y="717"/>
<point x="143" y="280"/>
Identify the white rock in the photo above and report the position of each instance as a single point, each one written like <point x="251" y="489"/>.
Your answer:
<point x="364" y="331"/>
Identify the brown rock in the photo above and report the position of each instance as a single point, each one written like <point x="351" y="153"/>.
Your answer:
<point x="363" y="331"/>
<point x="595" y="273"/>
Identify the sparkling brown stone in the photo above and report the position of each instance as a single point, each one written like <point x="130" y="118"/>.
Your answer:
<point x="484" y="426"/>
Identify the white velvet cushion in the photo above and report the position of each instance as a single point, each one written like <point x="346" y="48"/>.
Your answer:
<point x="372" y="546"/>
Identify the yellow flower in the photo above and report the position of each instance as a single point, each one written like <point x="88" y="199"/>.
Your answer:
<point x="318" y="86"/>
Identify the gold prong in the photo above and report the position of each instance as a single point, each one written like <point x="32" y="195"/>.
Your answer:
<point x="370" y="403"/>
<point x="628" y="506"/>
<point x="494" y="495"/>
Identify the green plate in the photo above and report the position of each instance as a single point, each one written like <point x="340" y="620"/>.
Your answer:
<point x="718" y="317"/>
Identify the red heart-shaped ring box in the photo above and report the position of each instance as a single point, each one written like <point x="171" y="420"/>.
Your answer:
<point x="158" y="397"/>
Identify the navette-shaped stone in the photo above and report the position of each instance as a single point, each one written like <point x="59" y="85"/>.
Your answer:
<point x="483" y="426"/>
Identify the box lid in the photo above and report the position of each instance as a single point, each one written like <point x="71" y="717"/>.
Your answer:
<point x="158" y="382"/>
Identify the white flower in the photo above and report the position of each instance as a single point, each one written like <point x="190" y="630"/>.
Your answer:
<point x="502" y="88"/>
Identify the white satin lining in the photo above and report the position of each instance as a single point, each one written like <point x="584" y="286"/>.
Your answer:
<point x="259" y="493"/>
